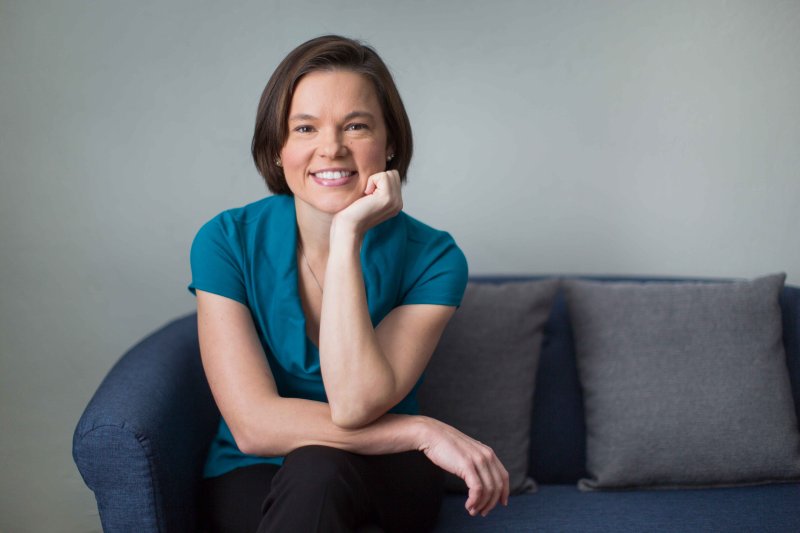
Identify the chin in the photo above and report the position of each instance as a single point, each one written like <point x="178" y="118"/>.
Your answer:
<point x="332" y="206"/>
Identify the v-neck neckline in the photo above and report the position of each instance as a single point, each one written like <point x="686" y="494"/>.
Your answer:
<point x="294" y="279"/>
<point x="381" y="281"/>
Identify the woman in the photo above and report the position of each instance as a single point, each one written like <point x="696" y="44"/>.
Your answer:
<point x="318" y="310"/>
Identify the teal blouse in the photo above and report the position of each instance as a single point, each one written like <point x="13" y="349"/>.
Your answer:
<point x="249" y="254"/>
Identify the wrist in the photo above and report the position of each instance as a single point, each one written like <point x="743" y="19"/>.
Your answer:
<point x="420" y="430"/>
<point x="345" y="233"/>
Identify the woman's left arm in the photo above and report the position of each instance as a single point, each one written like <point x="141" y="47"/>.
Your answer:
<point x="366" y="370"/>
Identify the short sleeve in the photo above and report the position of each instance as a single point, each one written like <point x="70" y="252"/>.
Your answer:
<point x="439" y="273"/>
<point x="216" y="260"/>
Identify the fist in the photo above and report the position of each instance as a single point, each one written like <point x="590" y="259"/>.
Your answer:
<point x="381" y="201"/>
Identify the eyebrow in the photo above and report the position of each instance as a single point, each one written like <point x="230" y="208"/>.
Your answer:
<point x="349" y="116"/>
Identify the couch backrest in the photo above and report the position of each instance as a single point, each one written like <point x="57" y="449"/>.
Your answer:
<point x="558" y="436"/>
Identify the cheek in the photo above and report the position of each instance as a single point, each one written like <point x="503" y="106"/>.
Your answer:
<point x="372" y="154"/>
<point x="294" y="157"/>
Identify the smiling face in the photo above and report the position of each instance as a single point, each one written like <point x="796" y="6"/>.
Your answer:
<point x="337" y="140"/>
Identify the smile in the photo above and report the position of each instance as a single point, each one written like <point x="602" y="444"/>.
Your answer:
<point x="333" y="174"/>
<point x="333" y="177"/>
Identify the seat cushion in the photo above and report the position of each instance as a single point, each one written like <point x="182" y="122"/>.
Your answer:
<point x="564" y="508"/>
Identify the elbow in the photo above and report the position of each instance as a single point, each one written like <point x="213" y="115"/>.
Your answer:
<point x="256" y="434"/>
<point x="355" y="409"/>
<point x="244" y="441"/>
<point x="249" y="445"/>
<point x="250" y="440"/>
<point x="353" y="416"/>
<point x="350" y="422"/>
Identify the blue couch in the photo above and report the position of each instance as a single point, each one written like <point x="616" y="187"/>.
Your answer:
<point x="142" y="439"/>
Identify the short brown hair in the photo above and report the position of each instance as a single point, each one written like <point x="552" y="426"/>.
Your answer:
<point x="329" y="52"/>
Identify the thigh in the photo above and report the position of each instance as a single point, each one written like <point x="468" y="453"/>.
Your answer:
<point x="400" y="492"/>
<point x="231" y="503"/>
<point x="318" y="488"/>
<point x="407" y="491"/>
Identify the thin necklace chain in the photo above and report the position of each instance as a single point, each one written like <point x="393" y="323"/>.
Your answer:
<point x="299" y="245"/>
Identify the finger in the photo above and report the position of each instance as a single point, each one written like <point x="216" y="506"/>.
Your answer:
<point x="371" y="184"/>
<point x="394" y="179"/>
<point x="492" y="483"/>
<point x="506" y="487"/>
<point x="495" y="469"/>
<point x="487" y="482"/>
<point x="478" y="491"/>
<point x="396" y="187"/>
<point x="475" y="487"/>
<point x="501" y="478"/>
<point x="380" y="180"/>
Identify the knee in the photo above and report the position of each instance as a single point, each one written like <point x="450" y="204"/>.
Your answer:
<point x="320" y="468"/>
<point x="318" y="485"/>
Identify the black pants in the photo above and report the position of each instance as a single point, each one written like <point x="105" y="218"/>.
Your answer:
<point x="319" y="488"/>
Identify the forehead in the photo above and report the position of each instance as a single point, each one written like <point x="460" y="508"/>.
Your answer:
<point x="333" y="91"/>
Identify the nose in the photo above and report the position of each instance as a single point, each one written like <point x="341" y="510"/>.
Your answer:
<point x="331" y="144"/>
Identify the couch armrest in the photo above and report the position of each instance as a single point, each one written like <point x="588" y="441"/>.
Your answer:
<point x="142" y="440"/>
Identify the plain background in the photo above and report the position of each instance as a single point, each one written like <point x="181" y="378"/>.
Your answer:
<point x="551" y="137"/>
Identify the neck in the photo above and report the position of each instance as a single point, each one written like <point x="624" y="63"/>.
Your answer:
<point x="313" y="231"/>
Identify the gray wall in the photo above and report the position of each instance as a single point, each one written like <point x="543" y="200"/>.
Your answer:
<point x="552" y="137"/>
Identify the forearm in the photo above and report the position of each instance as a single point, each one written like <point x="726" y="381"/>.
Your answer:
<point x="289" y="423"/>
<point x="358" y="379"/>
<point x="292" y="423"/>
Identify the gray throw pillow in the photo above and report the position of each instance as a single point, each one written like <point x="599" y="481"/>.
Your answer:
<point x="481" y="377"/>
<point x="685" y="384"/>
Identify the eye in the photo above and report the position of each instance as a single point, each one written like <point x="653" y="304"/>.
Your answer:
<point x="356" y="127"/>
<point x="303" y="129"/>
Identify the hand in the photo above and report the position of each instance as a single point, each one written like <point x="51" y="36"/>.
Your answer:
<point x="381" y="201"/>
<point x="472" y="461"/>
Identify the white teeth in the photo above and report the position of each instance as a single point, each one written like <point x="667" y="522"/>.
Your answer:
<point x="332" y="175"/>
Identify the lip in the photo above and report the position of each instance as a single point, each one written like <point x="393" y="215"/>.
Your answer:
<point x="334" y="182"/>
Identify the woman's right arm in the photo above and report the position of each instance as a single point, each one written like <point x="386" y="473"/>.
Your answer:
<point x="266" y="424"/>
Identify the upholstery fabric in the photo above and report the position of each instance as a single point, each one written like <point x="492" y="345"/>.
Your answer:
<point x="156" y="396"/>
<point x="565" y="509"/>
<point x="482" y="375"/>
<point x="558" y="431"/>
<point x="142" y="440"/>
<point x="685" y="384"/>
